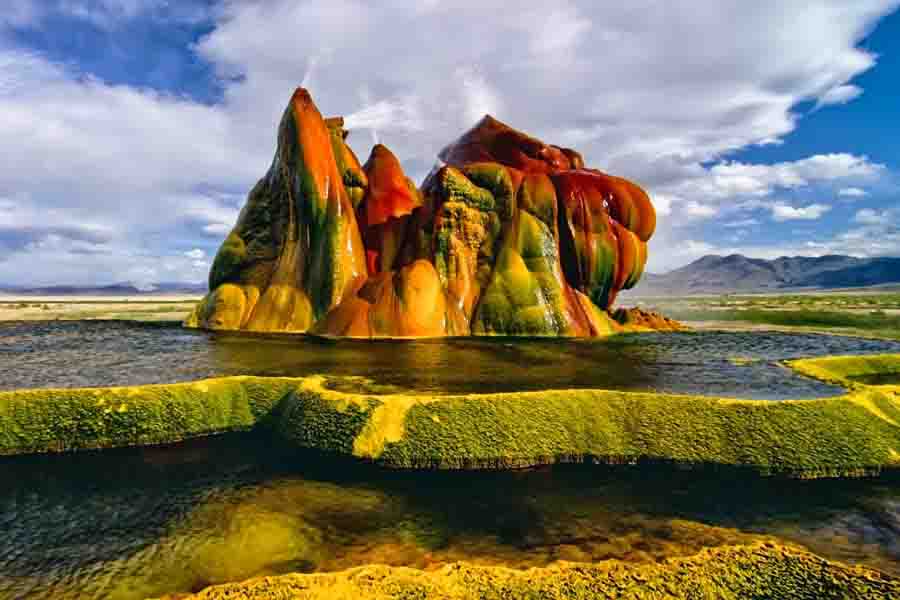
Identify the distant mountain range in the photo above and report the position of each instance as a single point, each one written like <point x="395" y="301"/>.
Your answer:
<point x="708" y="275"/>
<point x="115" y="289"/>
<point x="737" y="273"/>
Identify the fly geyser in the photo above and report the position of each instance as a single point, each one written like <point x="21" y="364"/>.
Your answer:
<point x="509" y="236"/>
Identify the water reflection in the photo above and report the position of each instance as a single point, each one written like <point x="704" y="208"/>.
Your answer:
<point x="136" y="523"/>
<point x="67" y="354"/>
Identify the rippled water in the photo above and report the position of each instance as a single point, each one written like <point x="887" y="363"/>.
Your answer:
<point x="143" y="522"/>
<point x="134" y="523"/>
<point x="743" y="364"/>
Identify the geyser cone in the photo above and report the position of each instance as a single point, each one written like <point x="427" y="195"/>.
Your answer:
<point x="494" y="141"/>
<point x="296" y="249"/>
<point x="510" y="236"/>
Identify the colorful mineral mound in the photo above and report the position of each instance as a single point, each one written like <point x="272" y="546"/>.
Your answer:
<point x="509" y="236"/>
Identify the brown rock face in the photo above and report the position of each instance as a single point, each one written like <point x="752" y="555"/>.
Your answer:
<point x="511" y="236"/>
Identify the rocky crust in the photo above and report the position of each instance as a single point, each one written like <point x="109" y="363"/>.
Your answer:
<point x="638" y="319"/>
<point x="763" y="570"/>
<point x="850" y="435"/>
<point x="508" y="236"/>
<point x="66" y="419"/>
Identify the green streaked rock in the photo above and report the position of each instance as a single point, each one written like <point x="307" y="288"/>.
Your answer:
<point x="524" y="295"/>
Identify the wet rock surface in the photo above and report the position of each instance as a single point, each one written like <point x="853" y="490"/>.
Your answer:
<point x="507" y="236"/>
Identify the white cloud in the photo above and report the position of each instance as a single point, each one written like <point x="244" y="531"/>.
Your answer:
<point x="19" y="216"/>
<point x="741" y="223"/>
<point x="633" y="87"/>
<point x="663" y="204"/>
<point x="868" y="216"/>
<point x="76" y="261"/>
<point x="84" y="134"/>
<point x="841" y="94"/>
<point x="666" y="100"/>
<point x="213" y="213"/>
<point x="733" y="189"/>
<point x="694" y="209"/>
<point x="783" y="212"/>
<point x="730" y="179"/>
<point x="217" y="229"/>
<point x="852" y="192"/>
<point x="196" y="254"/>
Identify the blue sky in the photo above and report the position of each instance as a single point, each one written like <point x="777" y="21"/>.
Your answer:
<point x="133" y="129"/>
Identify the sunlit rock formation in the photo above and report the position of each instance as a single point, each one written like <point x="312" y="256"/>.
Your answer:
<point x="296" y="249"/>
<point x="508" y="236"/>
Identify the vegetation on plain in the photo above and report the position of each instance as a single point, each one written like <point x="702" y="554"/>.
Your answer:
<point x="867" y="313"/>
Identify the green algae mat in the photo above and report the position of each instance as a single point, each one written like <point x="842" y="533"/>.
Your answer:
<point x="856" y="433"/>
<point x="762" y="570"/>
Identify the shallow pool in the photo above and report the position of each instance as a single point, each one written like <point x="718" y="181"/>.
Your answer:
<point x="134" y="523"/>
<point x="741" y="364"/>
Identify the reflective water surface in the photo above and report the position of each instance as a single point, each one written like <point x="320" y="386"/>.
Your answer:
<point x="743" y="364"/>
<point x="135" y="523"/>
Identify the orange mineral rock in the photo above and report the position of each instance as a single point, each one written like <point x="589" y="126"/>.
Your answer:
<point x="385" y="208"/>
<point x="509" y="236"/>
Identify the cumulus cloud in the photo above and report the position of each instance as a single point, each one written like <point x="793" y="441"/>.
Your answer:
<point x="731" y="179"/>
<point x="83" y="262"/>
<point x="694" y="209"/>
<point x="82" y="134"/>
<point x="852" y="192"/>
<point x="216" y="215"/>
<point x="634" y="87"/>
<point x="663" y="204"/>
<point x="734" y="187"/>
<point x="741" y="223"/>
<point x="784" y="212"/>
<point x="841" y="94"/>
<point x="869" y="216"/>
<point x="657" y="94"/>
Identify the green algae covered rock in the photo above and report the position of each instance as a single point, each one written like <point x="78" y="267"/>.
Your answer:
<point x="855" y="434"/>
<point x="756" y="571"/>
<point x="57" y="420"/>
<point x="850" y="371"/>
